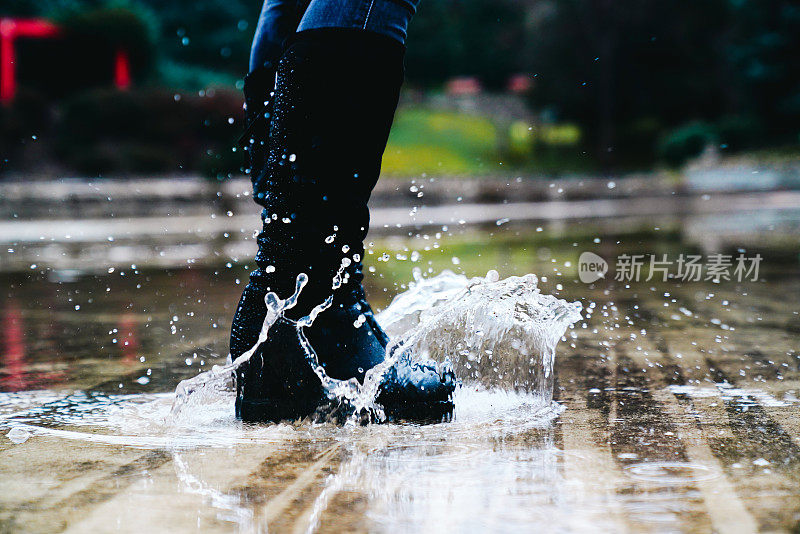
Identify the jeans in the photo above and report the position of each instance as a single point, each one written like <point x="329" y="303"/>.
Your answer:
<point x="280" y="19"/>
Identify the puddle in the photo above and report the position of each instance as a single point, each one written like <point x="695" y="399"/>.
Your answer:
<point x="90" y="362"/>
<point x="492" y="328"/>
<point x="143" y="421"/>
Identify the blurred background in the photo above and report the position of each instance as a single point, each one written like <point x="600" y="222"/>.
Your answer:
<point x="143" y="87"/>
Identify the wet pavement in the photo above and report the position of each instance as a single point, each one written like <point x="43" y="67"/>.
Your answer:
<point x="679" y="400"/>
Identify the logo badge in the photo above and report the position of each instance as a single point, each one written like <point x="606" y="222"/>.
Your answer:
<point x="591" y="267"/>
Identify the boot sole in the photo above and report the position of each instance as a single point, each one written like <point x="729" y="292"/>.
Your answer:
<point x="278" y="410"/>
<point x="421" y="412"/>
<point x="275" y="410"/>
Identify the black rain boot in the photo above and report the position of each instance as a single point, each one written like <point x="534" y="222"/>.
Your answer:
<point x="258" y="86"/>
<point x="336" y="93"/>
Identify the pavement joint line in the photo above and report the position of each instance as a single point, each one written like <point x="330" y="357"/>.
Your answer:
<point x="276" y="506"/>
<point x="724" y="507"/>
<point x="594" y="463"/>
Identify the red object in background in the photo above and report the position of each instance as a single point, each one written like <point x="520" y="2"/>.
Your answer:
<point x="520" y="83"/>
<point x="10" y="29"/>
<point x="129" y="340"/>
<point x="122" y="70"/>
<point x="13" y="356"/>
<point x="463" y="86"/>
<point x="6" y="61"/>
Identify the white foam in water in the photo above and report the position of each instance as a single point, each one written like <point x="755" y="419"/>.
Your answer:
<point x="497" y="334"/>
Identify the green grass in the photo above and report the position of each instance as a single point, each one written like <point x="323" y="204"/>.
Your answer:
<point x="436" y="142"/>
<point x="440" y="142"/>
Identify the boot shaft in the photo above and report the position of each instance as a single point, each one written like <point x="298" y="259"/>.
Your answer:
<point x="334" y="103"/>
<point x="258" y="88"/>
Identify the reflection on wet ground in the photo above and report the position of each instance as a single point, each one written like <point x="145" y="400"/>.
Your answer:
<point x="679" y="405"/>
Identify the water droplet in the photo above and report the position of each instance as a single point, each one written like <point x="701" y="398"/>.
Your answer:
<point x="18" y="435"/>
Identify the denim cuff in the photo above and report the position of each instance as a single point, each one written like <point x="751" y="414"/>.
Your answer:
<point x="385" y="17"/>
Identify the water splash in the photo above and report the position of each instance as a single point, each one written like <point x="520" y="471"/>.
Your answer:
<point x="498" y="333"/>
<point x="495" y="333"/>
<point x="219" y="381"/>
<point x="209" y="386"/>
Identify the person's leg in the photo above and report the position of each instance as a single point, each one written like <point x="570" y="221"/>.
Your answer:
<point x="277" y="22"/>
<point x="337" y="88"/>
<point x="355" y="37"/>
<point x="386" y="17"/>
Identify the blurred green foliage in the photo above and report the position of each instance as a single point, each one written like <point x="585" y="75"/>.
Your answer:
<point x="687" y="142"/>
<point x="110" y="131"/>
<point x="212" y="35"/>
<point x="480" y="38"/>
<point x="634" y="82"/>
<point x="609" y="65"/>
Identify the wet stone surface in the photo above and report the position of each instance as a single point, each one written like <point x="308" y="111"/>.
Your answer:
<point x="679" y="406"/>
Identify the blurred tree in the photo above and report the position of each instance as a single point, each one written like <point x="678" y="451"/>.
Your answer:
<point x="97" y="34"/>
<point x="637" y="76"/>
<point x="197" y="42"/>
<point x="83" y="55"/>
<point x="607" y="64"/>
<point x="466" y="37"/>
<point x="629" y="70"/>
<point x="763" y="54"/>
<point x="208" y="34"/>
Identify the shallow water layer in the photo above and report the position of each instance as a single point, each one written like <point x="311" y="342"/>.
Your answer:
<point x="677" y="408"/>
<point x="495" y="334"/>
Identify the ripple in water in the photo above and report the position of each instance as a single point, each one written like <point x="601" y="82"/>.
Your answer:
<point x="670" y="473"/>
